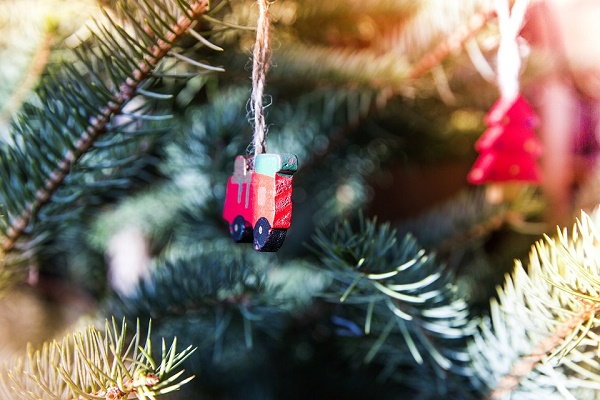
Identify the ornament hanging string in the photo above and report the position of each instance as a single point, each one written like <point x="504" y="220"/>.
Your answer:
<point x="508" y="148"/>
<point x="509" y="59"/>
<point x="260" y="66"/>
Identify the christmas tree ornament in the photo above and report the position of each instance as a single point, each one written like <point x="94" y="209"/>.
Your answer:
<point x="258" y="202"/>
<point x="258" y="198"/>
<point x="508" y="149"/>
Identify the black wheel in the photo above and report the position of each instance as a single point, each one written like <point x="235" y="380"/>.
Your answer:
<point x="240" y="231"/>
<point x="265" y="238"/>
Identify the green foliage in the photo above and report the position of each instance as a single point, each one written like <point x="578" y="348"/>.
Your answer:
<point x="460" y="219"/>
<point x="94" y="364"/>
<point x="217" y="283"/>
<point x="214" y="274"/>
<point x="104" y="90"/>
<point x="404" y="293"/>
<point x="236" y="305"/>
<point x="461" y="230"/>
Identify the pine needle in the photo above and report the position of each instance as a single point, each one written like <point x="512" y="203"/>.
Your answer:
<point x="94" y="363"/>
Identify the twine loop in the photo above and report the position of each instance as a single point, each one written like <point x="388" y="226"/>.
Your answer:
<point x="509" y="58"/>
<point x="260" y="66"/>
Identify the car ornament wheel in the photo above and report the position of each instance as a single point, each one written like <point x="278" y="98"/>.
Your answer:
<point x="265" y="238"/>
<point x="240" y="231"/>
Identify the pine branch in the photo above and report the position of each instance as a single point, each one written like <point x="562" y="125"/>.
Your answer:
<point x="402" y="289"/>
<point x="365" y="67"/>
<point x="452" y="43"/>
<point x="469" y="217"/>
<point x="315" y="9"/>
<point x="30" y="31"/>
<point x="91" y="117"/>
<point x="543" y="334"/>
<point x="394" y="57"/>
<point x="94" y="364"/>
<point x="214" y="274"/>
<point x="558" y="340"/>
<point x="236" y="309"/>
<point x="37" y="65"/>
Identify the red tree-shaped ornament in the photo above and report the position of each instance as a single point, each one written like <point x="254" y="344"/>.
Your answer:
<point x="508" y="149"/>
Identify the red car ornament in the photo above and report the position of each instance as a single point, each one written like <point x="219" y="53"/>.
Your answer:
<point x="258" y="200"/>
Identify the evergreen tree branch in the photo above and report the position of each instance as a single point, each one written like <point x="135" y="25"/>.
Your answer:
<point x="226" y="279"/>
<point x="469" y="217"/>
<point x="315" y="9"/>
<point x="556" y="341"/>
<point x="94" y="364"/>
<point x="369" y="67"/>
<point x="28" y="37"/>
<point x="236" y="309"/>
<point x="37" y="65"/>
<point x="543" y="334"/>
<point x="366" y="67"/>
<point x="451" y="44"/>
<point x="404" y="58"/>
<point x="401" y="287"/>
<point x="158" y="40"/>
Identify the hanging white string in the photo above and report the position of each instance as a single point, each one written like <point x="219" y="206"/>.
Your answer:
<point x="260" y="65"/>
<point x="509" y="59"/>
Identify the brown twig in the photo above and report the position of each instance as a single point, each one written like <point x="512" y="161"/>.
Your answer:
<point x="30" y="78"/>
<point x="452" y="44"/>
<point x="98" y="123"/>
<point x="432" y="58"/>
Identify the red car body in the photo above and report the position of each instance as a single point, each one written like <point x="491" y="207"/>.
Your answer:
<point x="258" y="200"/>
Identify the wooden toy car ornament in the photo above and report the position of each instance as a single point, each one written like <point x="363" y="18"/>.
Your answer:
<point x="258" y="200"/>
